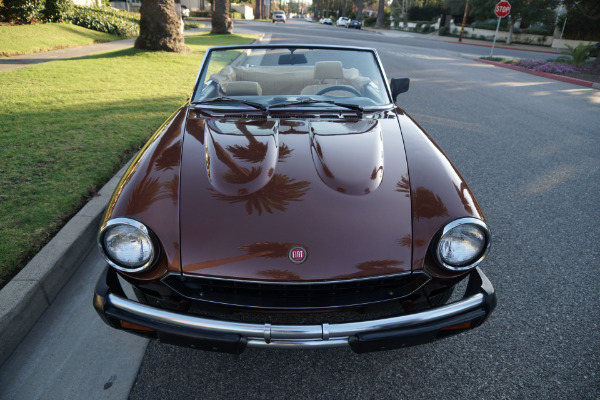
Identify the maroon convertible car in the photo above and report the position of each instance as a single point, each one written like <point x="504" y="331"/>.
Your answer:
<point x="292" y="204"/>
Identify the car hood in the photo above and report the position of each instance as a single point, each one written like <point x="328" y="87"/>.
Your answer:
<point x="251" y="190"/>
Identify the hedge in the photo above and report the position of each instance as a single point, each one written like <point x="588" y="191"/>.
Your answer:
<point x="106" y="20"/>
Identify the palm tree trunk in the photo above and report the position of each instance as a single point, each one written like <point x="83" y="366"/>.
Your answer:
<point x="221" y="22"/>
<point x="380" y="15"/>
<point x="160" y="27"/>
<point x="360" y="10"/>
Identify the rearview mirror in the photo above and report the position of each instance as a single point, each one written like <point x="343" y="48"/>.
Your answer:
<point x="399" y="85"/>
<point x="292" y="59"/>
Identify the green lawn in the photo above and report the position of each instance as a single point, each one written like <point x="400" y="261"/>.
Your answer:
<point x="67" y="126"/>
<point x="25" y="39"/>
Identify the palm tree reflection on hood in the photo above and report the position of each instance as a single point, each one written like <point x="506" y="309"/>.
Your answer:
<point x="254" y="152"/>
<point x="376" y="267"/>
<point x="270" y="250"/>
<point x="275" y="195"/>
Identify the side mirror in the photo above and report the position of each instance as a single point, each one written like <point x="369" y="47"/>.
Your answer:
<point x="399" y="85"/>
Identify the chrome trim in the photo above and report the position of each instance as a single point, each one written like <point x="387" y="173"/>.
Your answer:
<point x="293" y="336"/>
<point x="135" y="224"/>
<point x="453" y="224"/>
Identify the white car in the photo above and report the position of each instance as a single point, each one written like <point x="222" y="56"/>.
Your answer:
<point x="185" y="12"/>
<point x="342" y="21"/>
<point x="278" y="16"/>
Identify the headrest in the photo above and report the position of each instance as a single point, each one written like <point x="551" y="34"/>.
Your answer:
<point x="243" y="88"/>
<point x="328" y="70"/>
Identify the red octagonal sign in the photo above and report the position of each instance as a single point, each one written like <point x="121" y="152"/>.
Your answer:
<point x="502" y="9"/>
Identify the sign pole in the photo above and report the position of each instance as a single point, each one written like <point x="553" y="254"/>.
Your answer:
<point x="495" y="36"/>
<point x="501" y="10"/>
<point x="464" y="21"/>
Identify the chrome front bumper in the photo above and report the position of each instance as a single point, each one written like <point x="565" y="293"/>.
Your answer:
<point x="233" y="337"/>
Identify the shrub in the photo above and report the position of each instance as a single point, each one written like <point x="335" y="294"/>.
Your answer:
<point x="426" y="13"/>
<point x="22" y="11"/>
<point x="370" y="21"/>
<point x="553" y="67"/>
<point x="58" y="10"/>
<point x="107" y="20"/>
<point x="579" y="54"/>
<point x="491" y="24"/>
<point x="200" y="14"/>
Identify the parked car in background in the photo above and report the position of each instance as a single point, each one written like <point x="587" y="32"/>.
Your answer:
<point x="356" y="24"/>
<point x="292" y="204"/>
<point x="278" y="16"/>
<point x="327" y="21"/>
<point x="342" y="21"/>
<point x="185" y="12"/>
<point x="309" y="19"/>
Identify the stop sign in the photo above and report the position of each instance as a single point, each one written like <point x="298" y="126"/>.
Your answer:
<point x="502" y="9"/>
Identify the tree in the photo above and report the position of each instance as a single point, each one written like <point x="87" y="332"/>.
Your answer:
<point x="359" y="12"/>
<point x="380" y="15"/>
<point x="160" y="27"/>
<point x="258" y="9"/>
<point x="596" y="66"/>
<point x="221" y="22"/>
<point x="528" y="11"/>
<point x="583" y="20"/>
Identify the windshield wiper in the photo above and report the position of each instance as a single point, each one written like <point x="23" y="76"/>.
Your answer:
<point x="313" y="101"/>
<point x="230" y="99"/>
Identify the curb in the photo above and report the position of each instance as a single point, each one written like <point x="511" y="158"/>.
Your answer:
<point x="25" y="298"/>
<point x="503" y="47"/>
<point x="567" y="79"/>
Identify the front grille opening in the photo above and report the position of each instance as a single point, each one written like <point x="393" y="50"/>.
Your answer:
<point x="296" y="296"/>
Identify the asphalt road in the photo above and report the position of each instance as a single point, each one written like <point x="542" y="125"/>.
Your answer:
<point x="300" y="31"/>
<point x="529" y="148"/>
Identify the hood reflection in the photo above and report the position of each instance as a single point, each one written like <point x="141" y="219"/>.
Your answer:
<point x="240" y="164"/>
<point x="426" y="204"/>
<point x="348" y="156"/>
<point x="269" y="250"/>
<point x="379" y="267"/>
<point x="276" y="195"/>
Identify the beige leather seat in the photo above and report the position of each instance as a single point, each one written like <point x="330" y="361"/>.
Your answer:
<point x="328" y="73"/>
<point x="243" y="88"/>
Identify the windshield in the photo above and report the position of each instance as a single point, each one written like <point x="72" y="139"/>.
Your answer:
<point x="291" y="77"/>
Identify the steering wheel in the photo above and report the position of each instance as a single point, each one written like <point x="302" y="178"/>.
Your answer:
<point x="339" y="87"/>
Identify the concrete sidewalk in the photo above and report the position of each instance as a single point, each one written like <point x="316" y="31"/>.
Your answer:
<point x="16" y="62"/>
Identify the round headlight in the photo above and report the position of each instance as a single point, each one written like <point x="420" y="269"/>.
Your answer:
<point x="463" y="244"/>
<point x="127" y="245"/>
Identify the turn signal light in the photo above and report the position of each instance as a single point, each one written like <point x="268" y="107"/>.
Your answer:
<point x="466" y="325"/>
<point x="135" y="327"/>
